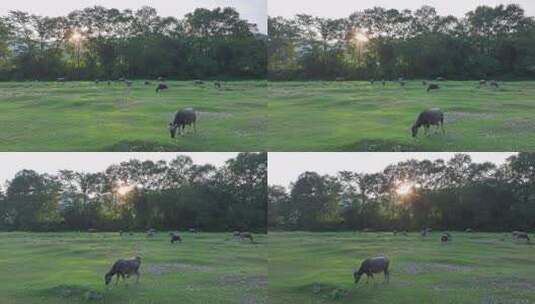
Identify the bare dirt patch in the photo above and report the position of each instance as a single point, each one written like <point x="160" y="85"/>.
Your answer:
<point x="491" y="299"/>
<point x="518" y="106"/>
<point x="162" y="269"/>
<point x="504" y="283"/>
<point x="488" y="283"/>
<point x="420" y="268"/>
<point x="520" y="124"/>
<point x="255" y="281"/>
<point x="452" y="117"/>
<point x="214" y="115"/>
<point x="251" y="299"/>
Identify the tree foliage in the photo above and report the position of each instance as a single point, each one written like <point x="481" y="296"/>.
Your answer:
<point x="137" y="195"/>
<point x="101" y="43"/>
<point x="386" y="44"/>
<point x="455" y="195"/>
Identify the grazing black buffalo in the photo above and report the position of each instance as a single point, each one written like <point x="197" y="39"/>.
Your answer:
<point x="521" y="235"/>
<point x="431" y="117"/>
<point x="432" y="86"/>
<point x="372" y="266"/>
<point x="246" y="235"/>
<point x="124" y="268"/>
<point x="183" y="118"/>
<point x="161" y="87"/>
<point x="175" y="238"/>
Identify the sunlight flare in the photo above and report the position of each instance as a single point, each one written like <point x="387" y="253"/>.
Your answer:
<point x="361" y="37"/>
<point x="404" y="189"/>
<point x="76" y="37"/>
<point x="123" y="190"/>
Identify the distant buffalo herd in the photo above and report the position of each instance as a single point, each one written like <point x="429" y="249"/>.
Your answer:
<point x="183" y="118"/>
<point x="124" y="268"/>
<point x="188" y="117"/>
<point x="435" y="116"/>
<point x="381" y="264"/>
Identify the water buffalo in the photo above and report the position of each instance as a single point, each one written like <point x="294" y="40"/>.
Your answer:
<point x="432" y="86"/>
<point x="372" y="266"/>
<point x="521" y="235"/>
<point x="161" y="87"/>
<point x="175" y="238"/>
<point x="183" y="118"/>
<point x="124" y="268"/>
<point x="431" y="117"/>
<point x="246" y="235"/>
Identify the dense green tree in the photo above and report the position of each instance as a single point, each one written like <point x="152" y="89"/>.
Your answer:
<point x="454" y="194"/>
<point x="31" y="201"/>
<point x="384" y="43"/>
<point x="138" y="195"/>
<point x="101" y="43"/>
<point x="279" y="208"/>
<point x="313" y="199"/>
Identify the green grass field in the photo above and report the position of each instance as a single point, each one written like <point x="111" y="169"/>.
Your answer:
<point x="69" y="268"/>
<point x="358" y="116"/>
<point x="474" y="268"/>
<point x="251" y="116"/>
<point x="83" y="116"/>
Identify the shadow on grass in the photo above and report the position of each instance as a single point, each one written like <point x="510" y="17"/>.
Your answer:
<point x="73" y="292"/>
<point x="325" y="291"/>
<point x="374" y="145"/>
<point x="141" y="146"/>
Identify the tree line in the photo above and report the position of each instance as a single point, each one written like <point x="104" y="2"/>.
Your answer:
<point x="106" y="44"/>
<point x="380" y="43"/>
<point x="138" y="195"/>
<point x="452" y="195"/>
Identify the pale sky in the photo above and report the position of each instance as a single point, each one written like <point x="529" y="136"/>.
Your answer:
<point x="255" y="11"/>
<point x="284" y="168"/>
<point x="11" y="163"/>
<point x="343" y="8"/>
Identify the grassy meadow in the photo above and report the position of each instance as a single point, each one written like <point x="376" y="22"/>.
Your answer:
<point x="251" y="116"/>
<point x="487" y="268"/>
<point x="359" y="116"/>
<point x="84" y="116"/>
<point x="41" y="268"/>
